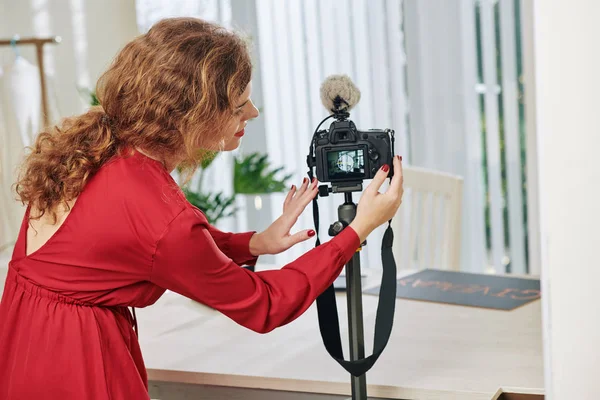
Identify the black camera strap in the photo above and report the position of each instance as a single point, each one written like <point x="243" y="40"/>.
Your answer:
<point x="329" y="323"/>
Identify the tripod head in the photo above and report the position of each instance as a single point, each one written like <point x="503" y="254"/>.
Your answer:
<point x="346" y="214"/>
<point x="340" y="187"/>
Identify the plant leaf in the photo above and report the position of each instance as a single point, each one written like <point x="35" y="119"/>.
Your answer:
<point x="214" y="205"/>
<point x="252" y="175"/>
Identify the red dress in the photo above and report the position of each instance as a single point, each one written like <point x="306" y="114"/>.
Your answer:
<point x="65" y="328"/>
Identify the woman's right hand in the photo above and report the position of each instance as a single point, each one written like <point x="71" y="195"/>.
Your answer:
<point x="376" y="208"/>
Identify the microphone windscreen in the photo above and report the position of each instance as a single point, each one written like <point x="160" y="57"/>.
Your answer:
<point x="338" y="93"/>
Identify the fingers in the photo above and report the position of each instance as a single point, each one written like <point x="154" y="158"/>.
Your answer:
<point x="289" y="197"/>
<point x="300" y="202"/>
<point x="301" y="236"/>
<point x="310" y="193"/>
<point x="398" y="178"/>
<point x="306" y="189"/>
<point x="298" y="198"/>
<point x="302" y="188"/>
<point x="313" y="188"/>
<point x="378" y="179"/>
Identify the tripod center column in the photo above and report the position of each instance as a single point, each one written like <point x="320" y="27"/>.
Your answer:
<point x="346" y="213"/>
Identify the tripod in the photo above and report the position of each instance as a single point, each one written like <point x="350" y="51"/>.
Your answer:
<point x="358" y="364"/>
<point x="346" y="214"/>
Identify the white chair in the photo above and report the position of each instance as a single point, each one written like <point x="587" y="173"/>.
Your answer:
<point x="427" y="227"/>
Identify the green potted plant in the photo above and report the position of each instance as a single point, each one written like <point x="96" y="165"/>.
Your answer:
<point x="254" y="178"/>
<point x="89" y="96"/>
<point x="252" y="175"/>
<point x="215" y="205"/>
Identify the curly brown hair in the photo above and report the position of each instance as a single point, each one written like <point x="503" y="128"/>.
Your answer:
<point x="167" y="93"/>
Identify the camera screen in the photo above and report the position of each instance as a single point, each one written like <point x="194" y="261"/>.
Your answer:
<point x="343" y="164"/>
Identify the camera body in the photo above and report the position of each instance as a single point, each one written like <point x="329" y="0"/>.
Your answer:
<point x="343" y="154"/>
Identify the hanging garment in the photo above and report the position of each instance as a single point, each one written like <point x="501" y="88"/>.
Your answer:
<point x="20" y="116"/>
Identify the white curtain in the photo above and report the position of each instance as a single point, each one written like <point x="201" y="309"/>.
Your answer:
<point x="302" y="42"/>
<point x="150" y="11"/>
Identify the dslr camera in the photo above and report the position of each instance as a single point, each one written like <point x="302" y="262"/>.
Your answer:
<point x="344" y="154"/>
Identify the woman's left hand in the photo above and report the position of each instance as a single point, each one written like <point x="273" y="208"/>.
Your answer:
<point x="277" y="238"/>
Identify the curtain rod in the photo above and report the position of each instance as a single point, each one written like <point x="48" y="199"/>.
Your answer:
<point x="30" y="40"/>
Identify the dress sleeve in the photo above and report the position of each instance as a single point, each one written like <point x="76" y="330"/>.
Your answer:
<point x="234" y="245"/>
<point x="188" y="261"/>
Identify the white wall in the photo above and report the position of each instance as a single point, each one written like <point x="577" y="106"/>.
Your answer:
<point x="567" y="60"/>
<point x="2" y="13"/>
<point x="92" y="32"/>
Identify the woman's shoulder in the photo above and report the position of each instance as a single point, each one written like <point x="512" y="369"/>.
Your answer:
<point x="140" y="187"/>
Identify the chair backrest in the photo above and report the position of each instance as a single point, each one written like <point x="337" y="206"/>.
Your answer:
<point x="427" y="226"/>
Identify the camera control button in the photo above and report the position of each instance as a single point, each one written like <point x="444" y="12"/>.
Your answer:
<point x="373" y="154"/>
<point x="365" y="136"/>
<point x="323" y="141"/>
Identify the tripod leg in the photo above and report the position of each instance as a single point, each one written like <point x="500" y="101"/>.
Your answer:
<point x="355" y="323"/>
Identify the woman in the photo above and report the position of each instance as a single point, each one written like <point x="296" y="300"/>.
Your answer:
<point x="107" y="228"/>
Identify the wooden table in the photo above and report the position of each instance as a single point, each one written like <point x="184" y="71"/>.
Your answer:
<point x="436" y="351"/>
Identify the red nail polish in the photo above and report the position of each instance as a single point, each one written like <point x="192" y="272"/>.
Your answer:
<point x="385" y="168"/>
<point x="292" y="188"/>
<point x="304" y="181"/>
<point x="311" y="233"/>
<point x="399" y="158"/>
